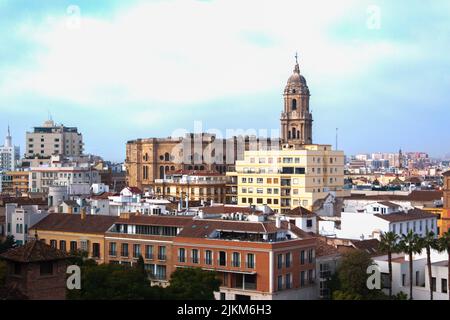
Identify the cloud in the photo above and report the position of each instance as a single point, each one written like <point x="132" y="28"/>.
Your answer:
<point x="149" y="67"/>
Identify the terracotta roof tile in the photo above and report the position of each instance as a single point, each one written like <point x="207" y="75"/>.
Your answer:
<point x="413" y="214"/>
<point x="34" y="251"/>
<point x="91" y="224"/>
<point x="300" y="211"/>
<point x="228" y="209"/>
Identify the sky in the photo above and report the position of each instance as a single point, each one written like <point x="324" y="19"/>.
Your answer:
<point x="121" y="70"/>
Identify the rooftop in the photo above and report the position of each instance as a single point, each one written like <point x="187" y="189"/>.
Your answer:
<point x="34" y="251"/>
<point x="413" y="214"/>
<point x="237" y="230"/>
<point x="91" y="224"/>
<point x="417" y="195"/>
<point x="300" y="212"/>
<point x="155" y="220"/>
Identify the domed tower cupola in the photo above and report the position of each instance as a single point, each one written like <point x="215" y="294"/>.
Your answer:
<point x="296" y="119"/>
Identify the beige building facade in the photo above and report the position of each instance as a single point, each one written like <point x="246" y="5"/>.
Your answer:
<point x="292" y="177"/>
<point x="151" y="159"/>
<point x="192" y="185"/>
<point x="52" y="139"/>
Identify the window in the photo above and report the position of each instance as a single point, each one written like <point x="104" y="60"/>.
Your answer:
<point x="310" y="255"/>
<point x="136" y="250"/>
<point x="433" y="284"/>
<point x="309" y="223"/>
<point x="53" y="243"/>
<point x="46" y="268"/>
<point x="195" y="256"/>
<point x="181" y="255"/>
<point x="84" y="245"/>
<point x="62" y="245"/>
<point x="112" y="249"/>
<point x="73" y="246"/>
<point x="208" y="257"/>
<point x="160" y="273"/>
<point x="403" y="280"/>
<point x="288" y="281"/>
<point x="302" y="278"/>
<point x="444" y="286"/>
<point x="288" y="260"/>
<point x="250" y="261"/>
<point x="311" y="276"/>
<point x="222" y="258"/>
<point x="236" y="261"/>
<point x="280" y="261"/>
<point x="149" y="252"/>
<point x="96" y="250"/>
<point x="280" y="283"/>
<point x="417" y="278"/>
<point x="302" y="257"/>
<point x="124" y="252"/>
<point x="162" y="253"/>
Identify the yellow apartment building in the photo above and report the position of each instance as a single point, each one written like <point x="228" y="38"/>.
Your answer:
<point x="288" y="178"/>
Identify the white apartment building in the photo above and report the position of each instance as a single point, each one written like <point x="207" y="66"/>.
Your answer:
<point x="288" y="178"/>
<point x="78" y="179"/>
<point x="421" y="283"/>
<point x="52" y="139"/>
<point x="379" y="218"/>
<point x="18" y="220"/>
<point x="9" y="154"/>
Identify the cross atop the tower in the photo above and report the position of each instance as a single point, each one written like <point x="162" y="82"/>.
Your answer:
<point x="296" y="57"/>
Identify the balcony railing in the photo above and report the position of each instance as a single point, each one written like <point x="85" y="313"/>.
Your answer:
<point x="162" y="257"/>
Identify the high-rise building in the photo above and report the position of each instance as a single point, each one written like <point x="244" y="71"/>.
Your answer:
<point x="289" y="178"/>
<point x="52" y="139"/>
<point x="9" y="154"/>
<point x="296" y="119"/>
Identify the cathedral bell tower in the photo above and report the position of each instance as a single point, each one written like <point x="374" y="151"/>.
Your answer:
<point x="296" y="119"/>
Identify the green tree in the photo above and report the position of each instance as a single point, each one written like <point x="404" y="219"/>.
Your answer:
<point x="193" y="284"/>
<point x="140" y="266"/>
<point x="389" y="244"/>
<point x="7" y="244"/>
<point x="444" y="245"/>
<point x="114" y="282"/>
<point x="429" y="242"/>
<point x="410" y="243"/>
<point x="350" y="280"/>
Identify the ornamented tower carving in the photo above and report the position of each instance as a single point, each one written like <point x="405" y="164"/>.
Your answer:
<point x="296" y="119"/>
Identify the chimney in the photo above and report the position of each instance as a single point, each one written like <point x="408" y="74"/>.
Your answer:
<point x="83" y="213"/>
<point x="278" y="222"/>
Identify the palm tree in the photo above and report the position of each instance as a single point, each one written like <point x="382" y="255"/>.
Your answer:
<point x="429" y="242"/>
<point x="444" y="245"/>
<point x="410" y="244"/>
<point x="389" y="244"/>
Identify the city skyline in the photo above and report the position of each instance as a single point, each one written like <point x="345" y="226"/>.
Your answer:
<point x="371" y="80"/>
